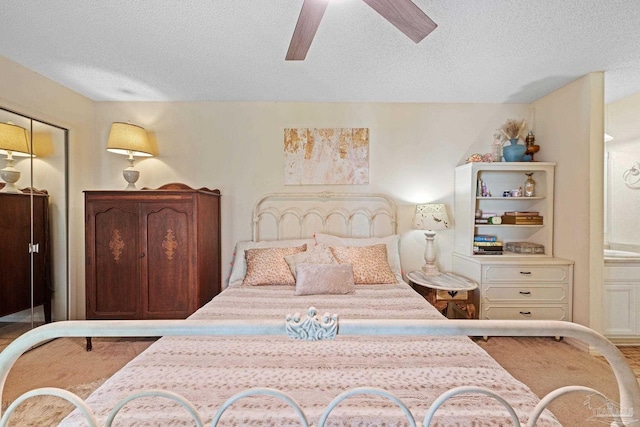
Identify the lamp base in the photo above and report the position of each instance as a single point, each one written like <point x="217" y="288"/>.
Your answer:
<point x="430" y="270"/>
<point x="10" y="176"/>
<point x="131" y="175"/>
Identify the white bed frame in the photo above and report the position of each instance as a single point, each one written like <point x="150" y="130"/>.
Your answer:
<point x="280" y="216"/>
<point x="327" y="212"/>
<point x="627" y="384"/>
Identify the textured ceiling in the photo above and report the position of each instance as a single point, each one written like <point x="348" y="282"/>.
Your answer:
<point x="483" y="51"/>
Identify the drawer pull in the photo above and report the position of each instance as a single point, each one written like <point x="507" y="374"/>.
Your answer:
<point x="525" y="293"/>
<point x="526" y="273"/>
<point x="525" y="313"/>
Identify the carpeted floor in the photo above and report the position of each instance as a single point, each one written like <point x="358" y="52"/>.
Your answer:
<point x="632" y="353"/>
<point x="48" y="411"/>
<point x="62" y="363"/>
<point x="542" y="363"/>
<point x="545" y="364"/>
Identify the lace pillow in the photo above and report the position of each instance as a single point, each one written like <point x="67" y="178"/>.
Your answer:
<point x="239" y="266"/>
<point x="370" y="265"/>
<point x="266" y="266"/>
<point x="321" y="279"/>
<point x="392" y="242"/>
<point x="318" y="254"/>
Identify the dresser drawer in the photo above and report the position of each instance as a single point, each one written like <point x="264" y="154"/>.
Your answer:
<point x="525" y="273"/>
<point x="557" y="293"/>
<point x="530" y="312"/>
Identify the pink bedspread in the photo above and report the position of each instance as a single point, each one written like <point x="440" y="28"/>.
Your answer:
<point x="208" y="371"/>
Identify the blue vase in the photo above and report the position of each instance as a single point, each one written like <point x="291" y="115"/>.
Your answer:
<point x="514" y="151"/>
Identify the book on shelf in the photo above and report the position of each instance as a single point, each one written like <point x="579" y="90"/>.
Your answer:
<point x="521" y="213"/>
<point x="478" y="250"/>
<point x="488" y="214"/>
<point x="484" y="244"/>
<point x="482" y="220"/>
<point x="525" y="223"/>
<point x="522" y="220"/>
<point x="485" y="238"/>
<point x="488" y="253"/>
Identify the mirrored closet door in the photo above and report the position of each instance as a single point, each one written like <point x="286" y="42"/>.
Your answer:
<point x="33" y="223"/>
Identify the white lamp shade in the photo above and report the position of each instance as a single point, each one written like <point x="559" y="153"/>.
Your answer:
<point x="129" y="139"/>
<point x="14" y="139"/>
<point x="432" y="216"/>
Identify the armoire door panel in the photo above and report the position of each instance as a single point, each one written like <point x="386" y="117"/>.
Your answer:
<point x="15" y="258"/>
<point x="167" y="266"/>
<point x="15" y="231"/>
<point x="117" y="259"/>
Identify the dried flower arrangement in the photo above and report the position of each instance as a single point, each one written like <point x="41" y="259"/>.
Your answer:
<point x="514" y="129"/>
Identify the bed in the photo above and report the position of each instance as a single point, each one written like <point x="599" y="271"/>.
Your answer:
<point x="368" y="351"/>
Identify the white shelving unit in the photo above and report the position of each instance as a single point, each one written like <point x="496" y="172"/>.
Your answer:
<point x="511" y="285"/>
<point x="498" y="178"/>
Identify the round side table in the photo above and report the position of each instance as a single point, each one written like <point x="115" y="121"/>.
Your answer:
<point x="447" y="292"/>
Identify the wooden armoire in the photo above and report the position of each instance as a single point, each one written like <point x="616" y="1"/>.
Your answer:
<point x="19" y="249"/>
<point x="151" y="254"/>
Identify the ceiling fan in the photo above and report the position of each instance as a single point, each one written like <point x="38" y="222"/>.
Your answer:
<point x="403" y="14"/>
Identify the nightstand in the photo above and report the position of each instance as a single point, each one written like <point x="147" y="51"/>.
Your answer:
<point x="449" y="293"/>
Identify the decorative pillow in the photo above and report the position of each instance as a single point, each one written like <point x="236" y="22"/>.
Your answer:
<point x="266" y="266"/>
<point x="370" y="265"/>
<point x="320" y="279"/>
<point x="317" y="254"/>
<point x="239" y="267"/>
<point x="393" y="252"/>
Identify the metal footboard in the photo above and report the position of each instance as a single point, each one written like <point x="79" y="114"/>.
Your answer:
<point x="628" y="412"/>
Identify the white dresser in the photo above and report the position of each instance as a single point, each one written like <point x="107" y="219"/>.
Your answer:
<point x="511" y="285"/>
<point x="520" y="287"/>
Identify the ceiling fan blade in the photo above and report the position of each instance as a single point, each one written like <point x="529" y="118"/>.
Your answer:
<point x="306" y="27"/>
<point x="405" y="16"/>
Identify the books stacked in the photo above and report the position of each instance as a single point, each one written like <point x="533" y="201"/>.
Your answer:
<point x="522" y="218"/>
<point x="484" y="244"/>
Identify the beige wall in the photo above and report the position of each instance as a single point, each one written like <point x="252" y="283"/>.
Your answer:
<point x="570" y="120"/>
<point x="237" y="147"/>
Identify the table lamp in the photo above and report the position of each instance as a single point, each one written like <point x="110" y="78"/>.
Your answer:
<point x="430" y="217"/>
<point x="14" y="141"/>
<point x="130" y="140"/>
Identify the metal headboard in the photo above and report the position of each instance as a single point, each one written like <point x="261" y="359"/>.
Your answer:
<point x="279" y="216"/>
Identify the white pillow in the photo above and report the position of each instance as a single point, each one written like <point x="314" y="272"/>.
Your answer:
<point x="393" y="251"/>
<point x="239" y="267"/>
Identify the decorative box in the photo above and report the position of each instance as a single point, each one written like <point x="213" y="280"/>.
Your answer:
<point x="525" y="248"/>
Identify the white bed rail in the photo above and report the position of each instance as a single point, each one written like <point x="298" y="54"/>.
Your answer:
<point x="628" y="410"/>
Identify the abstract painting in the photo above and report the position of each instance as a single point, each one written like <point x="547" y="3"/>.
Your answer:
<point x="326" y="156"/>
